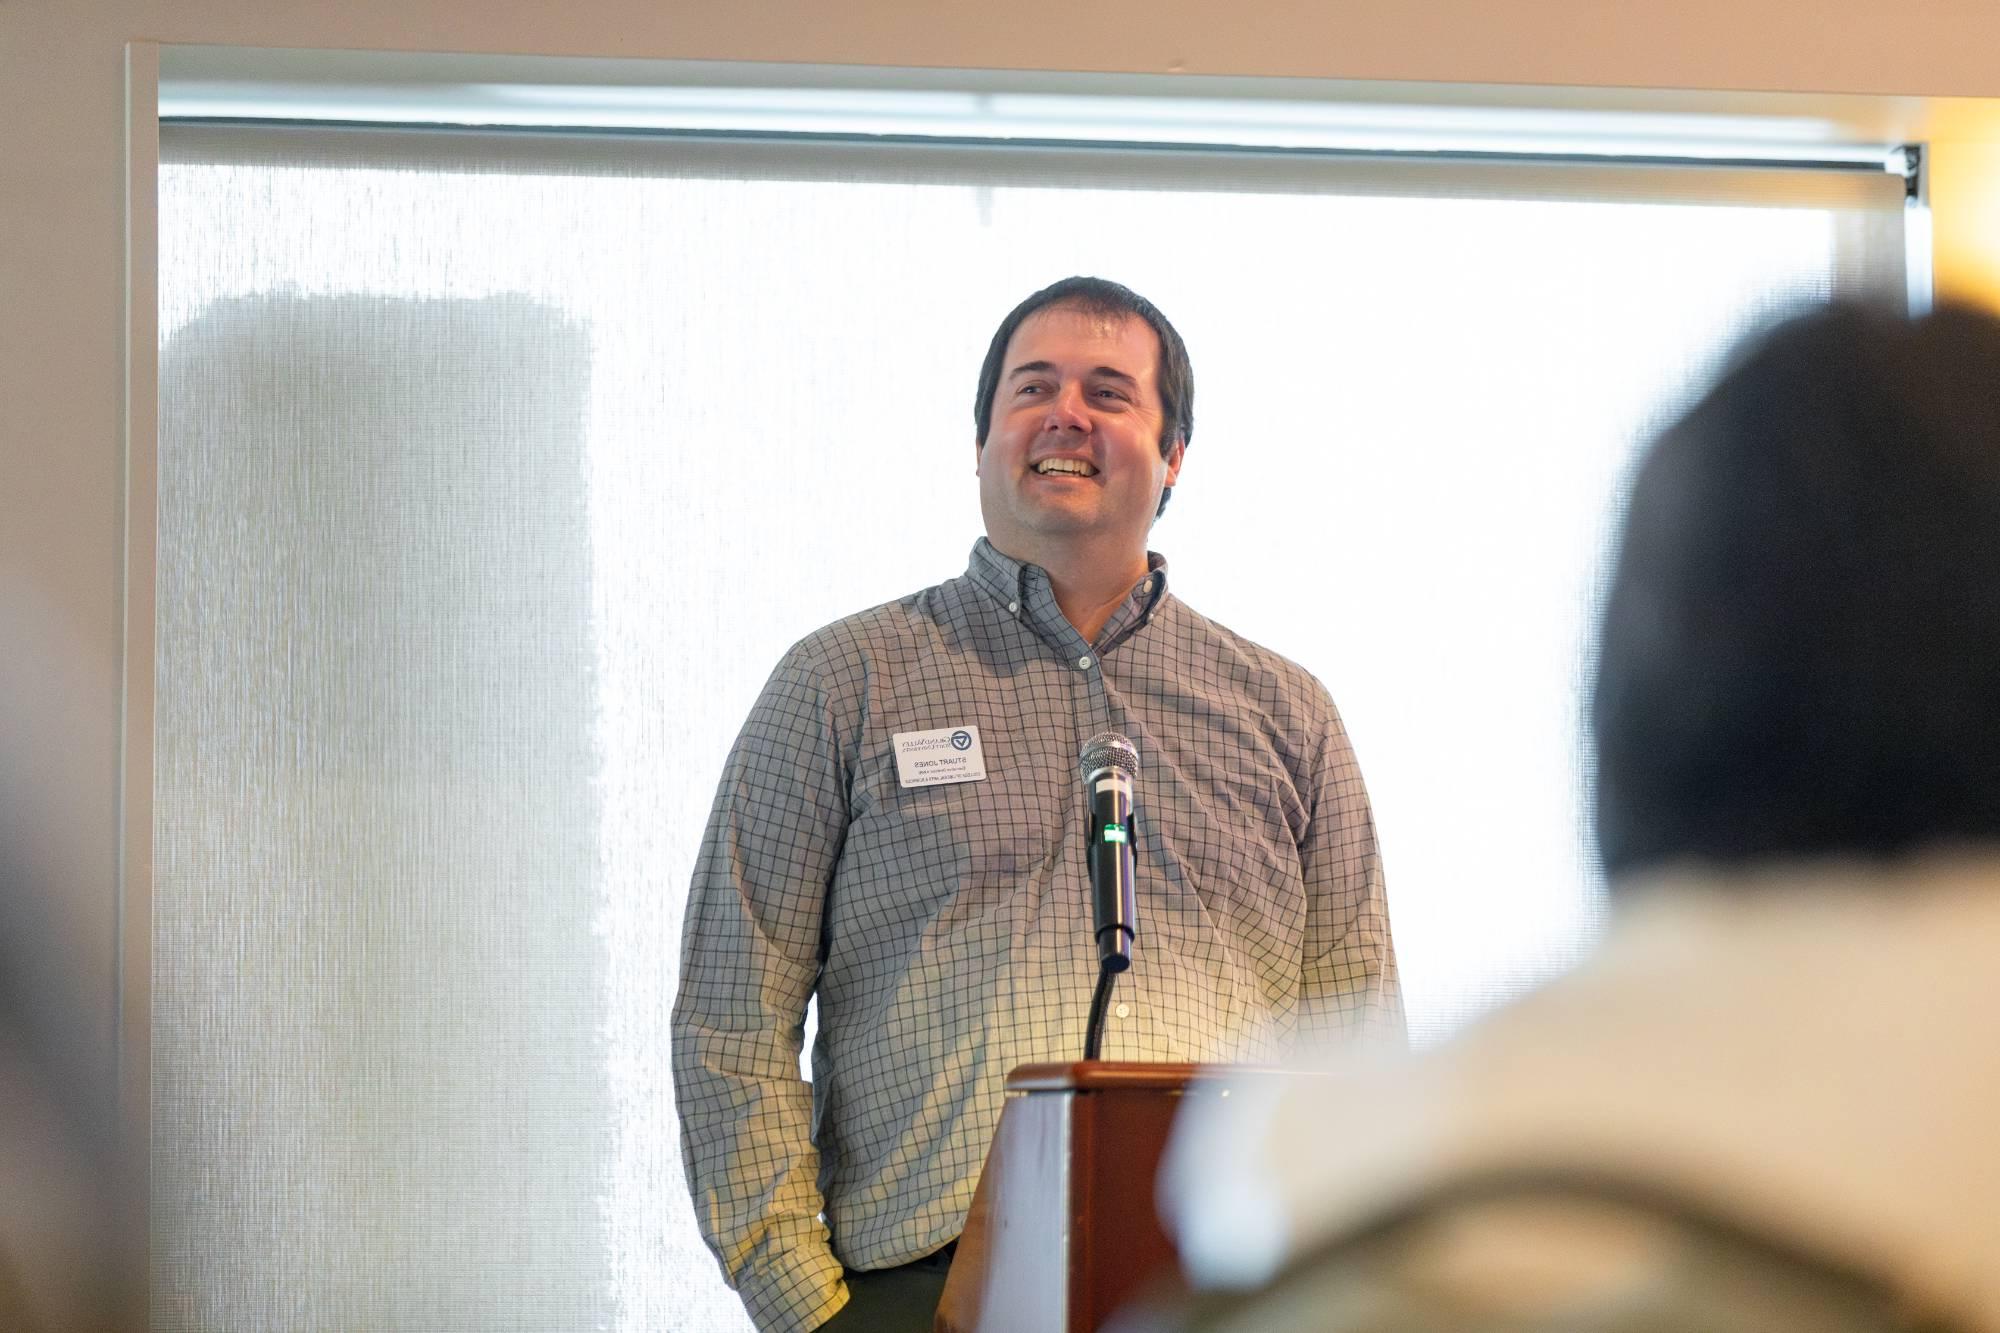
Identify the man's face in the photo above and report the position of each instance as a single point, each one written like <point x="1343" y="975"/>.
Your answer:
<point x="1073" y="449"/>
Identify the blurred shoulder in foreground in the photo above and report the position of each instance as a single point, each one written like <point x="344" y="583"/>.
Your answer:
<point x="1767" y="1101"/>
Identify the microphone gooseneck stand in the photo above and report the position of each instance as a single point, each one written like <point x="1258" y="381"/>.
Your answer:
<point x="1100" y="1000"/>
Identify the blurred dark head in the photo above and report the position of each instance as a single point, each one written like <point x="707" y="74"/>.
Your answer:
<point x="1800" y="650"/>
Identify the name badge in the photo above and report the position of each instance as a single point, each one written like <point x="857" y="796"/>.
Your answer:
<point x="933" y="758"/>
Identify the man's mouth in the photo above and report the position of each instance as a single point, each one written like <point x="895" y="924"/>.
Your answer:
<point x="1073" y="467"/>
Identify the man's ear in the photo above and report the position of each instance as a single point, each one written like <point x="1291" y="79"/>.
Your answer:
<point x="978" y="453"/>
<point x="1173" y="460"/>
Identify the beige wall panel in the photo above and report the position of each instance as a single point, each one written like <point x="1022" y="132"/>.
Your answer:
<point x="1839" y="45"/>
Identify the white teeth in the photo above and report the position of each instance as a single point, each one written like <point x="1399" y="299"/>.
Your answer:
<point x="1073" y="466"/>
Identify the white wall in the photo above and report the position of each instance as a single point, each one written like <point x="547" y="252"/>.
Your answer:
<point x="62" y="203"/>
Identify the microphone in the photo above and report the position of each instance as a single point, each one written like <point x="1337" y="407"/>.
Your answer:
<point x="1110" y="763"/>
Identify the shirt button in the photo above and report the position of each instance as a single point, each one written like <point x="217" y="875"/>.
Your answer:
<point x="1145" y="585"/>
<point x="1123" y="1010"/>
<point x="1013" y="608"/>
<point x="1083" y="663"/>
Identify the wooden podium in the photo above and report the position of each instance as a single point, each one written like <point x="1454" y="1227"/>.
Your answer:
<point x="1063" y="1230"/>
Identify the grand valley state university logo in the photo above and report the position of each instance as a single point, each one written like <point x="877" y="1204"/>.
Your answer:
<point x="961" y="740"/>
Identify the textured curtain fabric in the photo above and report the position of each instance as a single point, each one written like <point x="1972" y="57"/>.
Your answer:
<point x="378" y="990"/>
<point x="496" y="473"/>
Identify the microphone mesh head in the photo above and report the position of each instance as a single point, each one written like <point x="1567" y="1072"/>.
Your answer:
<point x="1107" y="749"/>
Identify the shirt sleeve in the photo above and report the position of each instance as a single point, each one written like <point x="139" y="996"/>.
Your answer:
<point x="1349" y="986"/>
<point x="750" y="957"/>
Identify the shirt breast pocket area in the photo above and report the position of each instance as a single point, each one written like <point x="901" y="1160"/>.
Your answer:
<point x="953" y="847"/>
<point x="1242" y="852"/>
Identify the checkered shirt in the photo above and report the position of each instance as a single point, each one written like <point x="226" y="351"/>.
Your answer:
<point x="947" y="929"/>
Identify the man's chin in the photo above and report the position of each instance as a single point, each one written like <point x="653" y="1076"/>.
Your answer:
<point x="1044" y="526"/>
<point x="1080" y="507"/>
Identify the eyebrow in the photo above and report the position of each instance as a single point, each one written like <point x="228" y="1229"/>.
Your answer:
<point x="1044" y="367"/>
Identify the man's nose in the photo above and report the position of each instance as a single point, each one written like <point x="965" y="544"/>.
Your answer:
<point x="1066" y="409"/>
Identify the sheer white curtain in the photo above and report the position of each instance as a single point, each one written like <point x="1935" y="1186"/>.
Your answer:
<point x="496" y="473"/>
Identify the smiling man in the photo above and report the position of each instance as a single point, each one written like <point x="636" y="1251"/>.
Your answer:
<point x="898" y="830"/>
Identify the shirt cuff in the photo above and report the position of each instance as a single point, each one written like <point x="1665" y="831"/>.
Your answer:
<point x="795" y="1295"/>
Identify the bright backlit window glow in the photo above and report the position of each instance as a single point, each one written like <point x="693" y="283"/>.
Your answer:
<point x="1414" y="414"/>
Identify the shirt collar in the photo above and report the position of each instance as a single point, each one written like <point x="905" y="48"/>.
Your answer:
<point x="1026" y="593"/>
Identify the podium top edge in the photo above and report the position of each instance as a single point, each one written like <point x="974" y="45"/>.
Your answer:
<point x="1094" y="1075"/>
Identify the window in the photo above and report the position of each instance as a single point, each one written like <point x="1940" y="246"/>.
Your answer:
<point x="497" y="471"/>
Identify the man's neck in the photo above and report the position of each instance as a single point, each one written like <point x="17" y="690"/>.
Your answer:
<point x="1090" y="583"/>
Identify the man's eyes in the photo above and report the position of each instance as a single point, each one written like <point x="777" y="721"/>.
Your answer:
<point x="1102" y="393"/>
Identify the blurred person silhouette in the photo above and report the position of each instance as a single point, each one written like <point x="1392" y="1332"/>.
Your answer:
<point x="1769" y="1100"/>
<point x="70" y="1217"/>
